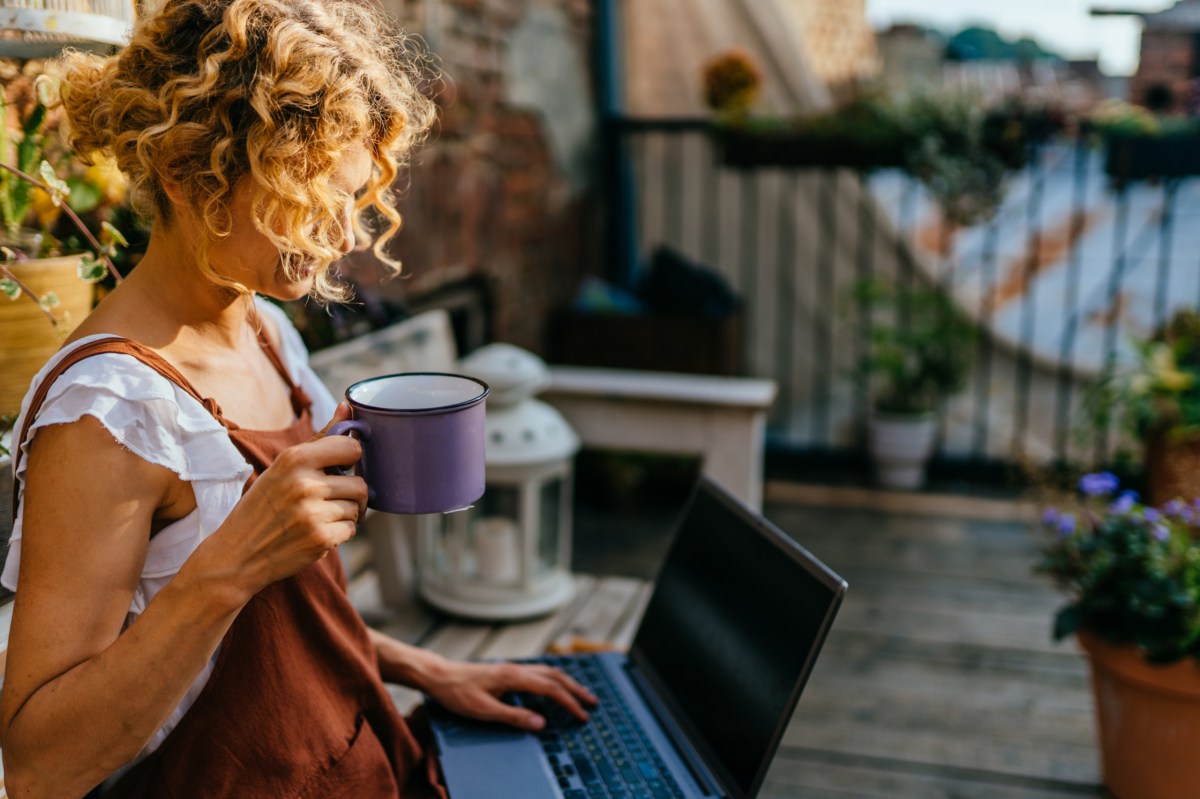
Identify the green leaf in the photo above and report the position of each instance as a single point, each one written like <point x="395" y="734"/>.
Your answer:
<point x="59" y="190"/>
<point x="91" y="268"/>
<point x="49" y="300"/>
<point x="34" y="123"/>
<point x="1066" y="622"/>
<point x="84" y="195"/>
<point x="10" y="288"/>
<point x="114" y="234"/>
<point x="47" y="88"/>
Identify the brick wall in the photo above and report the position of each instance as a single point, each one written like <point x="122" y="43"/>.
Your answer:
<point x="1166" y="60"/>
<point x="489" y="195"/>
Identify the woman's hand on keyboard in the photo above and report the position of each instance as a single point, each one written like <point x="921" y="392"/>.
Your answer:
<point x="475" y="690"/>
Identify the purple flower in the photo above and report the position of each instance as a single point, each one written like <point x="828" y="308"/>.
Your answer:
<point x="1123" y="504"/>
<point x="1160" y="532"/>
<point x="1098" y="484"/>
<point x="1066" y="524"/>
<point x="1050" y="516"/>
<point x="1175" y="507"/>
<point x="1151" y="515"/>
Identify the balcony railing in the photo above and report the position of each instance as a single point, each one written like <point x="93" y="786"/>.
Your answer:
<point x="1067" y="274"/>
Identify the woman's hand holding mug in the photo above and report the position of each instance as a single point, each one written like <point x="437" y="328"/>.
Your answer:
<point x="295" y="512"/>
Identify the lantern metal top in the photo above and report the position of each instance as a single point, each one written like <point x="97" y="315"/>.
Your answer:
<point x="44" y="28"/>
<point x="521" y="431"/>
<point x="528" y="433"/>
<point x="514" y="374"/>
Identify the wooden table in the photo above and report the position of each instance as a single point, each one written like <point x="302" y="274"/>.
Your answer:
<point x="603" y="610"/>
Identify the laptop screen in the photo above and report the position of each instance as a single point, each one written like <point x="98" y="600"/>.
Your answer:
<point x="738" y="615"/>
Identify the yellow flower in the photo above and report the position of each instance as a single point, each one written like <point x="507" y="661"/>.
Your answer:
<point x="44" y="208"/>
<point x="1163" y="371"/>
<point x="731" y="81"/>
<point x="1175" y="380"/>
<point x="1160" y="358"/>
<point x="104" y="175"/>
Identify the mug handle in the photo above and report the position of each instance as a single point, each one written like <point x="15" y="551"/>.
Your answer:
<point x="345" y="428"/>
<point x="348" y="426"/>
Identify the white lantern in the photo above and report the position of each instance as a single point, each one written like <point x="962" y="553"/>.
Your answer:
<point x="508" y="556"/>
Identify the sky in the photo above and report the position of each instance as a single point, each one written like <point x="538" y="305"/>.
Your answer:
<point x="1063" y="26"/>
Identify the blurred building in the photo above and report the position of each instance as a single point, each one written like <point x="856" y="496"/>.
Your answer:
<point x="911" y="56"/>
<point x="1169" y="64"/>
<point x="914" y="61"/>
<point x="1082" y="85"/>
<point x="839" y="41"/>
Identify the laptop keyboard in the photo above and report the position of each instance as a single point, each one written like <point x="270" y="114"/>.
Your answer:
<point x="610" y="755"/>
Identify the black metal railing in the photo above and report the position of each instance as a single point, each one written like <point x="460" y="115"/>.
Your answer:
<point x="1071" y="270"/>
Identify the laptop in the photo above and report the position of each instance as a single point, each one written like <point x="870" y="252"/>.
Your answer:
<point x="698" y="705"/>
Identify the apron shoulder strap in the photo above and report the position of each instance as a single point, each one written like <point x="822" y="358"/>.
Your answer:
<point x="110" y="344"/>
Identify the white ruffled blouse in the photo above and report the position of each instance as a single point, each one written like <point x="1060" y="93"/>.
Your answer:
<point x="161" y="423"/>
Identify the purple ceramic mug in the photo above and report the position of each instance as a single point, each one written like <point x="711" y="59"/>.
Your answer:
<point x="423" y="440"/>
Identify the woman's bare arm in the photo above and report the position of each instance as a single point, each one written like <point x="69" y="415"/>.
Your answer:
<point x="474" y="689"/>
<point x="80" y="698"/>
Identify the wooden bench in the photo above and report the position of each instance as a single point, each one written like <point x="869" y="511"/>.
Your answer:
<point x="720" y="419"/>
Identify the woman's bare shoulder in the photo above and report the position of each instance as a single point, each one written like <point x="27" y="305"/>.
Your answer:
<point x="113" y="316"/>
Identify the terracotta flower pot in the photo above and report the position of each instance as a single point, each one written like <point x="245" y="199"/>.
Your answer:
<point x="27" y="339"/>
<point x="1149" y="721"/>
<point x="1172" y="467"/>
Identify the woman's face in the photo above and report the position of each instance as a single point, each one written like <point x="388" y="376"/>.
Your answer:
<point x="249" y="257"/>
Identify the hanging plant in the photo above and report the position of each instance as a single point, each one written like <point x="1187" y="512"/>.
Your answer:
<point x="960" y="150"/>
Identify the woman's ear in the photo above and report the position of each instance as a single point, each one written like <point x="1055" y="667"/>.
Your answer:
<point x="173" y="191"/>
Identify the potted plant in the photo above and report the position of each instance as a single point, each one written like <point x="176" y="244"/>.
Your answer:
<point x="862" y="135"/>
<point x="961" y="151"/>
<point x="1155" y="401"/>
<point x="918" y="355"/>
<point x="50" y="256"/>
<point x="1140" y="145"/>
<point x="1132" y="573"/>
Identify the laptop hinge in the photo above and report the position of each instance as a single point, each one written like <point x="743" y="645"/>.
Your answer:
<point x="683" y="747"/>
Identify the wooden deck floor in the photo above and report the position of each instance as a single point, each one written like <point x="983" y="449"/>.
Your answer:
<point x="938" y="680"/>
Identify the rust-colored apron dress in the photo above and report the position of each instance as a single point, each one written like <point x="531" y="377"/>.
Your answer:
<point x="294" y="706"/>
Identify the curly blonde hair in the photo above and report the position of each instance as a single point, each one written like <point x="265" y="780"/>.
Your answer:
<point x="209" y="92"/>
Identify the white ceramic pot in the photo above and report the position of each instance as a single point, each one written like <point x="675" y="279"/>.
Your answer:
<point x="900" y="446"/>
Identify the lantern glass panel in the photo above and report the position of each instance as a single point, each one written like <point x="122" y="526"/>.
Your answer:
<point x="499" y="500"/>
<point x="494" y="541"/>
<point x="549" y="517"/>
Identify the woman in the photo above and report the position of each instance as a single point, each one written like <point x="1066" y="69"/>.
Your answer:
<point x="181" y="626"/>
